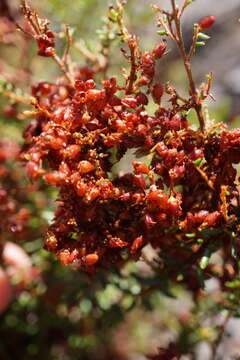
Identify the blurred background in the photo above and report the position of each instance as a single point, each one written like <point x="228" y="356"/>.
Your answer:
<point x="65" y="315"/>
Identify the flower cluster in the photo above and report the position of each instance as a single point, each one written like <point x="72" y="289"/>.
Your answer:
<point x="39" y="30"/>
<point x="181" y="195"/>
<point x="187" y="187"/>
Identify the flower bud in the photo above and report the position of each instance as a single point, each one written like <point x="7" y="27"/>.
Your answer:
<point x="207" y="22"/>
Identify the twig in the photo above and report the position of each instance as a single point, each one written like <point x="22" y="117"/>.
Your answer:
<point x="195" y="38"/>
<point x="62" y="67"/>
<point x="39" y="27"/>
<point x="132" y="43"/>
<point x="186" y="60"/>
<point x="68" y="44"/>
<point x="85" y="52"/>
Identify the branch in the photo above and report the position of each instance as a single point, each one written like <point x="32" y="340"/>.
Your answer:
<point x="186" y="60"/>
<point x="45" y="38"/>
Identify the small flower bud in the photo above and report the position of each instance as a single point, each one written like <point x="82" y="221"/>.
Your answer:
<point x="130" y="102"/>
<point x="207" y="22"/>
<point x="157" y="92"/>
<point x="91" y="259"/>
<point x="159" y="50"/>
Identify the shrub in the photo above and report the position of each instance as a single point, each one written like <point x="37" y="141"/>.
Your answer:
<point x="180" y="197"/>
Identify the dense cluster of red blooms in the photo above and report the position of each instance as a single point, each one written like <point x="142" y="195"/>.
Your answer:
<point x="183" y="181"/>
<point x="188" y="186"/>
<point x="13" y="216"/>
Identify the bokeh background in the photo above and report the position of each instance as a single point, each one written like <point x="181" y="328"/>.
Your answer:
<point x="65" y="315"/>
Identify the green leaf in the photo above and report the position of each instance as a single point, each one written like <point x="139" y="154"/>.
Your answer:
<point x="190" y="236"/>
<point x="162" y="32"/>
<point x="203" y="36"/>
<point x="206" y="256"/>
<point x="204" y="262"/>
<point x="113" y="15"/>
<point x="199" y="162"/>
<point x="200" y="43"/>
